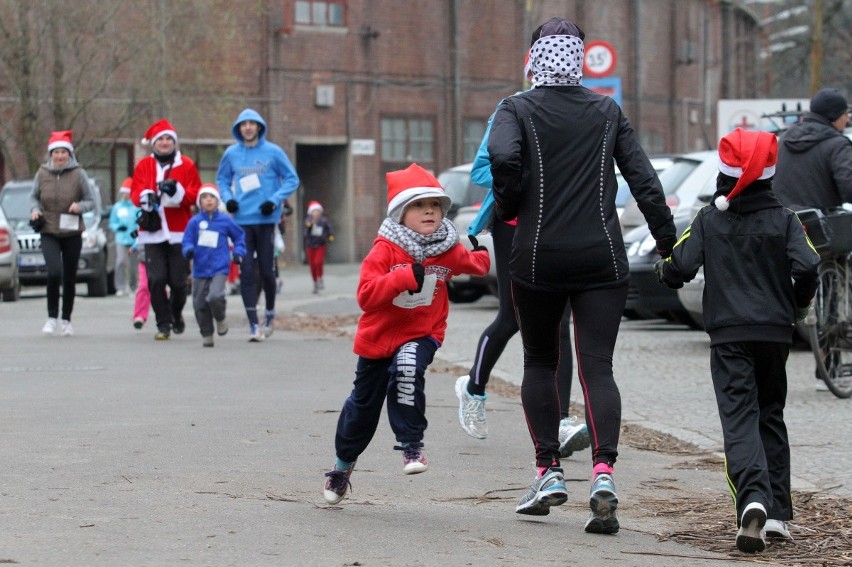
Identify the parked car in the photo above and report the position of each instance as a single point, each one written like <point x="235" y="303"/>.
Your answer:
<point x="10" y="283"/>
<point x="623" y="195"/>
<point x="466" y="288"/>
<point x="683" y="168"/>
<point x="96" y="267"/>
<point x="647" y="298"/>
<point x="457" y="184"/>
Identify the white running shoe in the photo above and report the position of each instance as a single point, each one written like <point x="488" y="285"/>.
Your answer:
<point x="256" y="334"/>
<point x="750" y="535"/>
<point x="67" y="329"/>
<point x="573" y="436"/>
<point x="777" y="528"/>
<point x="471" y="410"/>
<point x="50" y="326"/>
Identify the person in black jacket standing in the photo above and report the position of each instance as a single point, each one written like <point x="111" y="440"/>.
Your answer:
<point x="552" y="151"/>
<point x="760" y="274"/>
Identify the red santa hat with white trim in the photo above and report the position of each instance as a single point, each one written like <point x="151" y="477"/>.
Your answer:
<point x="126" y="185"/>
<point x="60" y="139"/>
<point x="748" y="155"/>
<point x="159" y="129"/>
<point x="409" y="184"/>
<point x="314" y="206"/>
<point x="207" y="189"/>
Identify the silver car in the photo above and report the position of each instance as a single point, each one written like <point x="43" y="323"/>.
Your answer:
<point x="10" y="283"/>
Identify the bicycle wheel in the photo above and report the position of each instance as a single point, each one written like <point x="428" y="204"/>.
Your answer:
<point x="831" y="334"/>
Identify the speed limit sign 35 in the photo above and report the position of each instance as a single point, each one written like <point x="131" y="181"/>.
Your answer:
<point x="599" y="60"/>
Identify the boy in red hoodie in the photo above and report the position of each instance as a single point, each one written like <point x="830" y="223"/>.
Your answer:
<point x="403" y="294"/>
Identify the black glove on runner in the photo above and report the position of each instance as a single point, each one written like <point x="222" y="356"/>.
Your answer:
<point x="267" y="207"/>
<point x="419" y="274"/>
<point x="232" y="206"/>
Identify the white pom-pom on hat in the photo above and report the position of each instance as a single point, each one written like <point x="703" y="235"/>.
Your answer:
<point x="721" y="203"/>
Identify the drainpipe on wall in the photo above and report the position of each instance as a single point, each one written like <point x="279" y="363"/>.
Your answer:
<point x="456" y="111"/>
<point x="636" y="118"/>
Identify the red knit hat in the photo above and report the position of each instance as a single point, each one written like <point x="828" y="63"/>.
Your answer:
<point x="126" y="185"/>
<point x="314" y="206"/>
<point x="409" y="184"/>
<point x="748" y="155"/>
<point x="207" y="189"/>
<point x="60" y="139"/>
<point x="159" y="129"/>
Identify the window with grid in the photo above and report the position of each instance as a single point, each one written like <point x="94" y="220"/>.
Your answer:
<point x="473" y="130"/>
<point x="408" y="140"/>
<point x="206" y="158"/>
<point x="321" y="12"/>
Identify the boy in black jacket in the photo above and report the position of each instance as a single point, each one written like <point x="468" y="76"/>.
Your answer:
<point x="760" y="273"/>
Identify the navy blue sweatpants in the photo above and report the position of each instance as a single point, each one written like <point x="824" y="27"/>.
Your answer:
<point x="400" y="378"/>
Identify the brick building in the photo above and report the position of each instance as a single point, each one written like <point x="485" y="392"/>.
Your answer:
<point x="354" y="88"/>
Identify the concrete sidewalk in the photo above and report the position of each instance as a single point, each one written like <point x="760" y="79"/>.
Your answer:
<point x="119" y="450"/>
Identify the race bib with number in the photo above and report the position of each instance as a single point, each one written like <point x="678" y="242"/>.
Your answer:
<point x="407" y="300"/>
<point x="208" y="238"/>
<point x="69" y="222"/>
<point x="250" y="183"/>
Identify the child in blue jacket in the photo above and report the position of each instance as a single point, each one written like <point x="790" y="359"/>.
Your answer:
<point x="205" y="242"/>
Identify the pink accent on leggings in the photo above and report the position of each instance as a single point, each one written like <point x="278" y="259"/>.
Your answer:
<point x="602" y="468"/>
<point x="142" y="304"/>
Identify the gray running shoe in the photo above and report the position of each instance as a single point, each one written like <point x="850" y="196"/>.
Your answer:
<point x="547" y="491"/>
<point x="471" y="410"/>
<point x="777" y="528"/>
<point x="750" y="535"/>
<point x="603" y="501"/>
<point x="573" y="436"/>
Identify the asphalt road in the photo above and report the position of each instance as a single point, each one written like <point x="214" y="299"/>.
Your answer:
<point x="119" y="450"/>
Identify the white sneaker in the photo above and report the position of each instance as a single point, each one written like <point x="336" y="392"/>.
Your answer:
<point x="471" y="410"/>
<point x="573" y="436"/>
<point x="50" y="326"/>
<point x="67" y="329"/>
<point x="777" y="528"/>
<point x="750" y="535"/>
<point x="819" y="386"/>
<point x="256" y="334"/>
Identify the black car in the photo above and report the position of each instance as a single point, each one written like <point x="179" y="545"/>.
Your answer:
<point x="97" y="258"/>
<point x="647" y="298"/>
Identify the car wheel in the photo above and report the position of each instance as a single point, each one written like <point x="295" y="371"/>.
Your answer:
<point x="12" y="293"/>
<point x="464" y="294"/>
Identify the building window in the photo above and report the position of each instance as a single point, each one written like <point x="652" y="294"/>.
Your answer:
<point x="407" y="140"/>
<point x="321" y="12"/>
<point x="472" y="138"/>
<point x="206" y="158"/>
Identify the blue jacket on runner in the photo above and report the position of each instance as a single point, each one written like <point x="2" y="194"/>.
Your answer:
<point x="207" y="236"/>
<point x="122" y="222"/>
<point x="253" y="175"/>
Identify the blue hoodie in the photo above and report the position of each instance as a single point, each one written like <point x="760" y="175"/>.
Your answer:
<point x="253" y="175"/>
<point x="211" y="255"/>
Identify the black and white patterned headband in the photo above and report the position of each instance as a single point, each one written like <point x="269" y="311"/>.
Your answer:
<point x="557" y="60"/>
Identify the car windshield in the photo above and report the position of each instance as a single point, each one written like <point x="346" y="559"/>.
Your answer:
<point x="674" y="175"/>
<point x="622" y="195"/>
<point x="16" y="204"/>
<point x="455" y="185"/>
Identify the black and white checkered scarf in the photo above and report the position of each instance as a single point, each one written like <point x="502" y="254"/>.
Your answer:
<point x="557" y="60"/>
<point x="420" y="246"/>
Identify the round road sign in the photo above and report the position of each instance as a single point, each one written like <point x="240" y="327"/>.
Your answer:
<point x="599" y="60"/>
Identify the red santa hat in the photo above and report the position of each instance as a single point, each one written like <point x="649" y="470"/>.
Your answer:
<point x="748" y="155"/>
<point x="159" y="129"/>
<point x="60" y="139"/>
<point x="207" y="189"/>
<point x="409" y="184"/>
<point x="314" y="206"/>
<point x="125" y="185"/>
<point x="528" y="74"/>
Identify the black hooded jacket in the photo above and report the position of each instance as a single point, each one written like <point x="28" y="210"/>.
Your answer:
<point x="814" y="166"/>
<point x="759" y="267"/>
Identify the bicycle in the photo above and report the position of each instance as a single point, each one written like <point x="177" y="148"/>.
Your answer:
<point x="830" y="319"/>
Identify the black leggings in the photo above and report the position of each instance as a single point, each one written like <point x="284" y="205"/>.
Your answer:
<point x="260" y="238"/>
<point x="494" y="338"/>
<point x="61" y="254"/>
<point x="597" y="316"/>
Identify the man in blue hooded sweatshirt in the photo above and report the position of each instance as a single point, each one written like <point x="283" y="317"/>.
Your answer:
<point x="255" y="176"/>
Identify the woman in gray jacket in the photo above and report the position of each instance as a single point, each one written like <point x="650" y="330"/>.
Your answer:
<point x="61" y="194"/>
<point x="552" y="151"/>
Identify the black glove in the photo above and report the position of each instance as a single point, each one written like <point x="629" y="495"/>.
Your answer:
<point x="286" y="209"/>
<point x="37" y="223"/>
<point x="801" y="313"/>
<point x="476" y="245"/>
<point x="169" y="187"/>
<point x="419" y="274"/>
<point x="232" y="206"/>
<point x="267" y="207"/>
<point x="659" y="269"/>
<point x="189" y="254"/>
<point x="121" y="229"/>
<point x="665" y="246"/>
<point x="238" y="260"/>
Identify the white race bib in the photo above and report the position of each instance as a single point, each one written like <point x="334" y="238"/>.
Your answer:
<point x="408" y="301"/>
<point x="250" y="183"/>
<point x="69" y="222"/>
<point x="316" y="230"/>
<point x="208" y="238"/>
